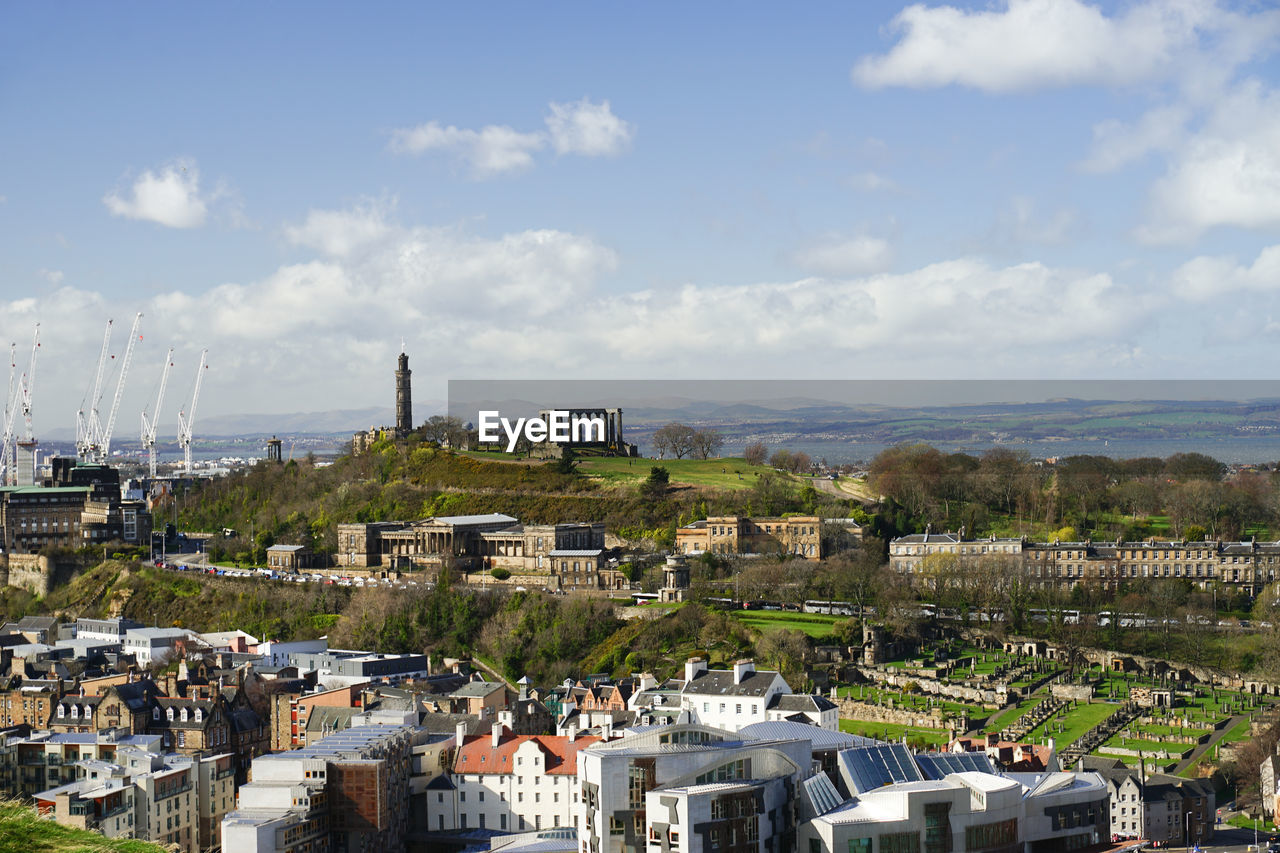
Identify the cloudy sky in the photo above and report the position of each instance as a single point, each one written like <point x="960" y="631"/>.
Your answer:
<point x="1004" y="189"/>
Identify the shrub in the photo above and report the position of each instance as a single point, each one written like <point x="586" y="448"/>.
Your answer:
<point x="500" y="574"/>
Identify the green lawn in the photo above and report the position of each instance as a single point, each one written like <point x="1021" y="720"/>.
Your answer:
<point x="892" y="732"/>
<point x="727" y="473"/>
<point x="1006" y="718"/>
<point x="1075" y="723"/>
<point x="1238" y="733"/>
<point x="1246" y="823"/>
<point x="816" y="625"/>
<point x="1148" y="746"/>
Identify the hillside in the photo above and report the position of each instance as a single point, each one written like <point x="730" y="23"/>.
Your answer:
<point x="302" y="503"/>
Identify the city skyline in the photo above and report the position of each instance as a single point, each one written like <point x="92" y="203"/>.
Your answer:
<point x="1032" y="189"/>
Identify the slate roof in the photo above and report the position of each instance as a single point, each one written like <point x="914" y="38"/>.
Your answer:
<point x="803" y="702"/>
<point x="719" y="682"/>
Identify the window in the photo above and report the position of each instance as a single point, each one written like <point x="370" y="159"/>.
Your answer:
<point x="900" y="842"/>
<point x="859" y="845"/>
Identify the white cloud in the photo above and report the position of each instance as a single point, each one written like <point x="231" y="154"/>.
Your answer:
<point x="836" y="255"/>
<point x="489" y="151"/>
<point x="170" y="197"/>
<point x="1226" y="173"/>
<point x="1117" y="144"/>
<point x="952" y="313"/>
<point x="588" y="129"/>
<point x="583" y="128"/>
<point x="54" y="277"/>
<point x="1029" y="44"/>
<point x="341" y="232"/>
<point x="1205" y="278"/>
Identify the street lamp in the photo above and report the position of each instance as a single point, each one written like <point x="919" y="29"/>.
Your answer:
<point x="1186" y="831"/>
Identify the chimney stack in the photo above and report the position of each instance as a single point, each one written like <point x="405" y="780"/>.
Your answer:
<point x="460" y="733"/>
<point x="693" y="668"/>
<point x="742" y="669"/>
<point x="571" y="732"/>
<point x="497" y="735"/>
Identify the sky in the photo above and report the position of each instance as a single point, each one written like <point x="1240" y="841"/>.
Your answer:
<point x="1014" y="189"/>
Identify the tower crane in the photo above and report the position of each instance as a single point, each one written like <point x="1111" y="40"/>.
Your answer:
<point x="87" y="426"/>
<point x="7" y="460"/>
<point x="29" y="384"/>
<point x="102" y="442"/>
<point x="149" y="425"/>
<point x="187" y="421"/>
<point x="26" y="387"/>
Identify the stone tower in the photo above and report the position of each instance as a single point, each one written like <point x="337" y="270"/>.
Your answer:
<point x="404" y="400"/>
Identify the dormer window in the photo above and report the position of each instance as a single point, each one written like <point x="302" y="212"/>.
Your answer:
<point x="184" y="715"/>
<point x="62" y="711"/>
<point x="168" y="713"/>
<point x="75" y="711"/>
<point x="155" y="713"/>
<point x="199" y="715"/>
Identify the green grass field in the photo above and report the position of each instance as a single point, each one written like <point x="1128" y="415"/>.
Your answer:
<point x="1005" y="718"/>
<point x="727" y="473"/>
<point x="1075" y="723"/>
<point x="816" y="625"/>
<point x="894" y="733"/>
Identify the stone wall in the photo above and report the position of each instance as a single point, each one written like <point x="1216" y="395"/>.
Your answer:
<point x="1077" y="692"/>
<point x="34" y="572"/>
<point x="853" y="710"/>
<point x="992" y="697"/>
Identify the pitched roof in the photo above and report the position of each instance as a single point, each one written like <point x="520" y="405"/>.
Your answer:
<point x="478" y="754"/>
<point x="803" y="702"/>
<point x="719" y="682"/>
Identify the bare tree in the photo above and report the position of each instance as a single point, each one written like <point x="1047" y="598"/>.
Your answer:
<point x="676" y="439"/>
<point x="755" y="453"/>
<point x="706" y="442"/>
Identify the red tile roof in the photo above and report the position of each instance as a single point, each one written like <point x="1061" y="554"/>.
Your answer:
<point x="560" y="755"/>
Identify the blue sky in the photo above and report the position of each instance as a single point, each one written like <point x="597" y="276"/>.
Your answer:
<point x="1023" y="189"/>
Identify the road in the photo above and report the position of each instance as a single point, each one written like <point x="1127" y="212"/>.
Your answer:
<point x="1217" y="735"/>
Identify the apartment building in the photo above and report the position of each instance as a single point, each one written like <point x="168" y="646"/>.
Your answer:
<point x="1247" y="565"/>
<point x="730" y="698"/>
<point x="691" y="787"/>
<point x="797" y="536"/>
<point x="349" y="791"/>
<point x="509" y="783"/>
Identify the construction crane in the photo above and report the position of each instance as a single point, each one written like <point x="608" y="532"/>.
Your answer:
<point x="187" y="421"/>
<point x="26" y="387"/>
<point x="102" y="442"/>
<point x="87" y="425"/>
<point x="7" y="457"/>
<point x="149" y="425"/>
<point x="29" y="384"/>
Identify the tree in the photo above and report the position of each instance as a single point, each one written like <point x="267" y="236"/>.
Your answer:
<point x="655" y="485"/>
<point x="676" y="439"/>
<point x="445" y="430"/>
<point x="755" y="453"/>
<point x="784" y="649"/>
<point x="706" y="442"/>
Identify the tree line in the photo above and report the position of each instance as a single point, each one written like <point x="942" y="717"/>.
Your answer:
<point x="1186" y="495"/>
